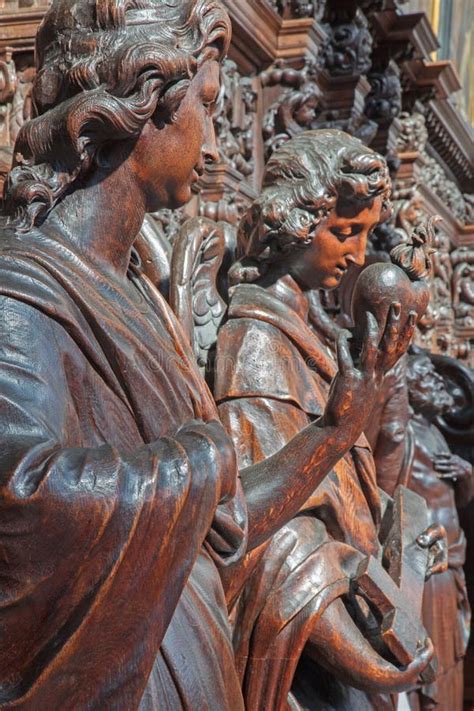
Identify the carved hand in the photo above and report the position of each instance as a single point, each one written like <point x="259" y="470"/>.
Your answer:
<point x="390" y="678"/>
<point x="436" y="541"/>
<point x="337" y="643"/>
<point x="354" y="388"/>
<point x="451" y="466"/>
<point x="209" y="442"/>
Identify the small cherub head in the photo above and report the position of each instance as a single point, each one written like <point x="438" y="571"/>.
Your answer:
<point x="323" y="193"/>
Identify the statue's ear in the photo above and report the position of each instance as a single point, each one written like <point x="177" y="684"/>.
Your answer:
<point x="196" y="286"/>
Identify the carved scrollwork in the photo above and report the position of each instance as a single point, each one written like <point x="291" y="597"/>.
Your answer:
<point x="412" y="134"/>
<point x="235" y="118"/>
<point x="349" y="47"/>
<point x="384" y="102"/>
<point x="15" y="103"/>
<point x="296" y="108"/>
<point x="433" y="175"/>
<point x="463" y="294"/>
<point x="462" y="260"/>
<point x="169" y="222"/>
<point x="8" y="77"/>
<point x="8" y="85"/>
<point x="229" y="208"/>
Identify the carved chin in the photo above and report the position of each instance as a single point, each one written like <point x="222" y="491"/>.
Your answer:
<point x="331" y="282"/>
<point x="179" y="198"/>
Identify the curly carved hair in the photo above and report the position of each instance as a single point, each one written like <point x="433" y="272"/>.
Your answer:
<point x="302" y="183"/>
<point x="104" y="67"/>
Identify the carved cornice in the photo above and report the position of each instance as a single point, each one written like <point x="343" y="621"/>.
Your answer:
<point x="440" y="78"/>
<point x="452" y="139"/>
<point x="459" y="234"/>
<point x="405" y="34"/>
<point x="18" y="29"/>
<point x="261" y="35"/>
<point x="298" y="8"/>
<point x="299" y="37"/>
<point x="344" y="95"/>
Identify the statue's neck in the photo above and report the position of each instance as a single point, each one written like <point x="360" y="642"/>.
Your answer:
<point x="101" y="219"/>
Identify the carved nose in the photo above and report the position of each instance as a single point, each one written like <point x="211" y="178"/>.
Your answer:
<point x="209" y="150"/>
<point x="357" y="257"/>
<point x="357" y="254"/>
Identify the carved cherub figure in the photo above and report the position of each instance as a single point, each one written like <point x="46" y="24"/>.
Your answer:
<point x="446" y="481"/>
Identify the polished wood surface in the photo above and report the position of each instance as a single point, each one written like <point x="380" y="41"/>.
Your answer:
<point x="191" y="513"/>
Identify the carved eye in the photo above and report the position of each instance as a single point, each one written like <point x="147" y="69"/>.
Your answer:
<point x="341" y="233"/>
<point x="210" y="107"/>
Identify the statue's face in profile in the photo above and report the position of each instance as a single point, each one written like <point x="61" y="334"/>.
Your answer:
<point x="305" y="113"/>
<point x="168" y="159"/>
<point x="428" y="393"/>
<point x="339" y="240"/>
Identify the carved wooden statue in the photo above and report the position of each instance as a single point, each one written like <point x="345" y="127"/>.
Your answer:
<point x="323" y="194"/>
<point x="105" y="470"/>
<point x="120" y="504"/>
<point x="446" y="482"/>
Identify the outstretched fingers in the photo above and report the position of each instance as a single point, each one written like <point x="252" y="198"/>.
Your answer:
<point x="434" y="538"/>
<point x="390" y="341"/>
<point x="409" y="675"/>
<point x="434" y="533"/>
<point x="344" y="358"/>
<point x="407" y="332"/>
<point x="368" y="356"/>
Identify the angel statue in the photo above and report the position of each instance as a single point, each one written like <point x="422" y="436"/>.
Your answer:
<point x="119" y="497"/>
<point x="299" y="638"/>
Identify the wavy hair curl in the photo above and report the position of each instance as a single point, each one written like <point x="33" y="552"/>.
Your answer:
<point x="302" y="183"/>
<point x="104" y="67"/>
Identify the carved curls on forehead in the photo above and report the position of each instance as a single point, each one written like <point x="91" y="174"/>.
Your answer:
<point x="302" y="183"/>
<point x="104" y="67"/>
<point x="83" y="45"/>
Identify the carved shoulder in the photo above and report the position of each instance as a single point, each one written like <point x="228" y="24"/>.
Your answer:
<point x="255" y="359"/>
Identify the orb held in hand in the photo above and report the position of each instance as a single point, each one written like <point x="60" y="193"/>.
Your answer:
<point x="404" y="280"/>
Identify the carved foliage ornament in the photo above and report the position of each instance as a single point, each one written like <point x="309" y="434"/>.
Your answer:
<point x="384" y="102"/>
<point x="349" y="47"/>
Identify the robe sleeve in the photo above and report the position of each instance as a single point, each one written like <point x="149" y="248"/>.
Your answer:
<point x="260" y="426"/>
<point x="96" y="544"/>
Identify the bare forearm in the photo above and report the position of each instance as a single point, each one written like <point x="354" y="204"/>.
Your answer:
<point x="337" y="644"/>
<point x="277" y="487"/>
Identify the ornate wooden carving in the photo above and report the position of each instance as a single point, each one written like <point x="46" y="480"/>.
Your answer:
<point x="364" y="67"/>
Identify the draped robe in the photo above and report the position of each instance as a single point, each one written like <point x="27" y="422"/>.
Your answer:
<point x="272" y="379"/>
<point x="110" y="539"/>
<point x="446" y="611"/>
